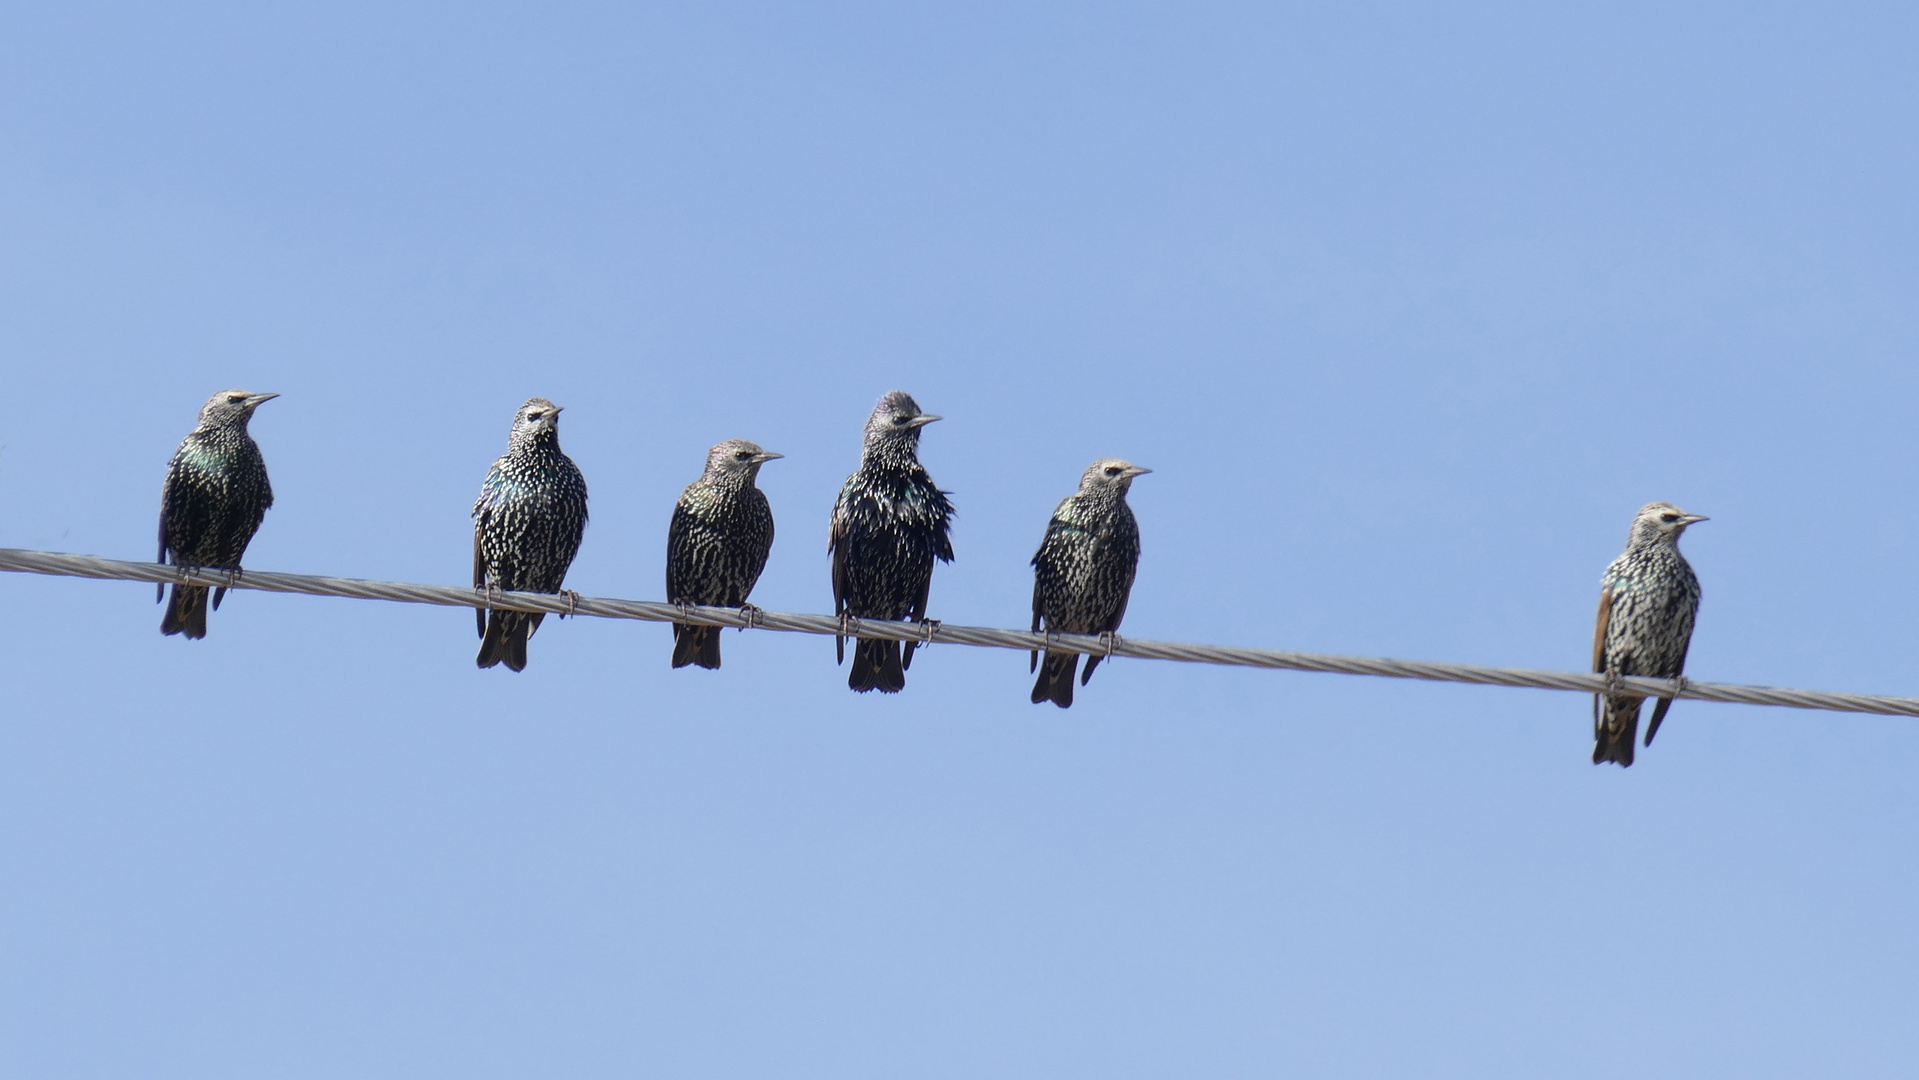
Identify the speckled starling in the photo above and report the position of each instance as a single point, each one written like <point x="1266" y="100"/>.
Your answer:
<point x="1647" y="602"/>
<point x="215" y="495"/>
<point x="717" y="544"/>
<point x="527" y="525"/>
<point x="1083" y="572"/>
<point x="889" y="524"/>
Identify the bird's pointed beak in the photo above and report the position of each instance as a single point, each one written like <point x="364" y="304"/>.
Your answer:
<point x="766" y="455"/>
<point x="254" y="400"/>
<point x="1135" y="470"/>
<point x="1692" y="518"/>
<point x="924" y="419"/>
<point x="558" y="409"/>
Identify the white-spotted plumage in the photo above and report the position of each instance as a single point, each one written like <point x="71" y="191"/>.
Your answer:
<point x="1648" y="601"/>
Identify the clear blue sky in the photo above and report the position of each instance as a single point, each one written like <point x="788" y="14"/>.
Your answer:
<point x="1408" y="306"/>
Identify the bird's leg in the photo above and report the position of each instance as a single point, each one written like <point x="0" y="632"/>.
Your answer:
<point x="1109" y="639"/>
<point x="233" y="577"/>
<point x="1681" y="688"/>
<point x="751" y="614"/>
<point x="849" y="624"/>
<point x="493" y="593"/>
<point x="572" y="603"/>
<point x="928" y="627"/>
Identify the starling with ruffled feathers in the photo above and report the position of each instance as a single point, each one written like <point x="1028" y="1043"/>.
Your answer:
<point x="889" y="524"/>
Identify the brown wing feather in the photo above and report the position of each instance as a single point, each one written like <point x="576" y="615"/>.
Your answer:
<point x="1599" y="631"/>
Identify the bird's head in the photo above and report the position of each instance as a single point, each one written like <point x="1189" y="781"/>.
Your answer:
<point x="537" y="420"/>
<point x="896" y="421"/>
<point x="1660" y="522"/>
<point x="1109" y="474"/>
<point x="737" y="460"/>
<point x="231" y="408"/>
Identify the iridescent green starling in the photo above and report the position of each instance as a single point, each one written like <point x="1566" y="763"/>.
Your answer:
<point x="527" y="525"/>
<point x="717" y="544"/>
<point x="1083" y="572"/>
<point x="889" y="524"/>
<point x="1647" y="602"/>
<point x="214" y="498"/>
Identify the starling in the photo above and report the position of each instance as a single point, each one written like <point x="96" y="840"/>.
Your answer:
<point x="1647" y="602"/>
<point x="889" y="524"/>
<point x="526" y="528"/>
<point x="215" y="495"/>
<point x="1083" y="571"/>
<point x="717" y="544"/>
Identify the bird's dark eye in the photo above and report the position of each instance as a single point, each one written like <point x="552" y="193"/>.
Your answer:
<point x="1669" y="518"/>
<point x="1111" y="471"/>
<point x="236" y="398"/>
<point x="743" y="454"/>
<point x="534" y="415"/>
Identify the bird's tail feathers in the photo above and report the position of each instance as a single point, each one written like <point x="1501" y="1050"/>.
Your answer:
<point x="186" y="612"/>
<point x="1615" y="724"/>
<point x="516" y="643"/>
<point x="493" y="643"/>
<point x="876" y="666"/>
<point x="696" y="645"/>
<point x="1055" y="682"/>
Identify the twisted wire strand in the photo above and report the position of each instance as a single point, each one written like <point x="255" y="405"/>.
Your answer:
<point x="89" y="566"/>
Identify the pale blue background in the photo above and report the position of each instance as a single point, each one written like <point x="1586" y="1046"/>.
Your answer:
<point x="1409" y="306"/>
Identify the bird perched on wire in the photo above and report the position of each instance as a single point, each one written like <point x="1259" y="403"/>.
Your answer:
<point x="889" y="524"/>
<point x="527" y="525"/>
<point x="1083" y="572"/>
<point x="215" y="496"/>
<point x="1647" y="602"/>
<point x="717" y="544"/>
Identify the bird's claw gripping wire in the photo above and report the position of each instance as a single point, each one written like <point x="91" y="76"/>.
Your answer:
<point x="1109" y="640"/>
<point x="753" y="615"/>
<point x="1681" y="682"/>
<point x="849" y="624"/>
<point x="233" y="577"/>
<point x="180" y="574"/>
<point x="928" y="627"/>
<point x="572" y="603"/>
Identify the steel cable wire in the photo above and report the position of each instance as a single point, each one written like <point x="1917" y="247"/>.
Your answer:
<point x="89" y="566"/>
